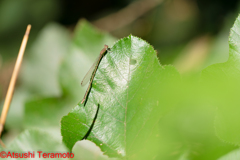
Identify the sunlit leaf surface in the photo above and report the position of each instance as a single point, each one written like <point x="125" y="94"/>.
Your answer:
<point x="121" y="87"/>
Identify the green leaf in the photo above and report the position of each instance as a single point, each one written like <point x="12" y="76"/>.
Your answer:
<point x="39" y="73"/>
<point x="189" y="127"/>
<point x="39" y="77"/>
<point x="89" y="39"/>
<point x="233" y="155"/>
<point x="40" y="68"/>
<point x="88" y="150"/>
<point x="123" y="89"/>
<point x="86" y="46"/>
<point x="36" y="140"/>
<point x="228" y="73"/>
<point x="231" y="68"/>
<point x="16" y="111"/>
<point x="45" y="112"/>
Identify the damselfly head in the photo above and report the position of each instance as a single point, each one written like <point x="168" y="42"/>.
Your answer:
<point x="106" y="46"/>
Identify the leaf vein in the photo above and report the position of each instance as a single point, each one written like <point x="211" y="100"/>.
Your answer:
<point x="115" y="65"/>
<point x="111" y="89"/>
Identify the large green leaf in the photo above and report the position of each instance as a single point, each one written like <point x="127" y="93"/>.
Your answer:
<point x="122" y="88"/>
<point x="227" y="120"/>
<point x="189" y="127"/>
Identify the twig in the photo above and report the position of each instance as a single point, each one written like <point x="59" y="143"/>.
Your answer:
<point x="127" y="15"/>
<point x="0" y="61"/>
<point x="2" y="144"/>
<point x="13" y="80"/>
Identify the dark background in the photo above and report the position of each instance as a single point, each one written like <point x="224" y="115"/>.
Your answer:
<point x="189" y="19"/>
<point x="175" y="28"/>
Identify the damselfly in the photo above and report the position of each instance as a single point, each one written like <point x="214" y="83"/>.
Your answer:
<point x="91" y="73"/>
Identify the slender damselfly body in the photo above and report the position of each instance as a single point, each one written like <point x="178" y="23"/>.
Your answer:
<point x="91" y="73"/>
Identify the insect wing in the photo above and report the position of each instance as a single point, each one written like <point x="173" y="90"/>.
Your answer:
<point x="89" y="73"/>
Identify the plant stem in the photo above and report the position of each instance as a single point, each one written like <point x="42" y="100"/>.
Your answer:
<point x="11" y="86"/>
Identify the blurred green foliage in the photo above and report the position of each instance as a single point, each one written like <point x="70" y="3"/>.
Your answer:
<point x="16" y="15"/>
